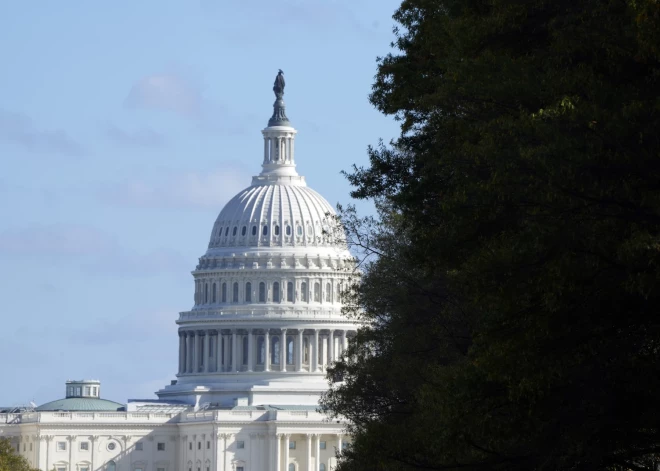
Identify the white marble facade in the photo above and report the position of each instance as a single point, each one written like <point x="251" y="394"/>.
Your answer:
<point x="253" y="350"/>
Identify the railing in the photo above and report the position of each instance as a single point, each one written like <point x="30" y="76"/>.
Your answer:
<point x="87" y="417"/>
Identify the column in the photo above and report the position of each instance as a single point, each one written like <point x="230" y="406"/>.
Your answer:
<point x="182" y="346"/>
<point x="265" y="149"/>
<point x="92" y="444"/>
<point x="300" y="349"/>
<point x="331" y="347"/>
<point x="234" y="352"/>
<point x="250" y="350"/>
<point x="267" y="348"/>
<point x="218" y="350"/>
<point x="292" y="141"/>
<point x="278" y="450"/>
<point x="318" y="450"/>
<point x="286" y="452"/>
<point x="339" y="442"/>
<point x="195" y="352"/>
<point x="283" y="349"/>
<point x="315" y="351"/>
<point x="207" y="354"/>
<point x="308" y="437"/>
<point x="344" y="343"/>
<point x="225" y="348"/>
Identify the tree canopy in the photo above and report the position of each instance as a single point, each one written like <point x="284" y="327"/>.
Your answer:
<point x="513" y="289"/>
<point x="10" y="460"/>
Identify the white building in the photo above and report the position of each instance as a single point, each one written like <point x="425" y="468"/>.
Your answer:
<point x="253" y="350"/>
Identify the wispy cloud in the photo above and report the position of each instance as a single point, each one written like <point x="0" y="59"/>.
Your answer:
<point x="188" y="190"/>
<point x="169" y="92"/>
<point x="92" y="250"/>
<point x="21" y="130"/>
<point x="143" y="137"/>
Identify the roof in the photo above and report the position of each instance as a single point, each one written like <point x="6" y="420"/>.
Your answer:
<point x="81" y="404"/>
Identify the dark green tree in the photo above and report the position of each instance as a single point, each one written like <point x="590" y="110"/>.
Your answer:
<point x="511" y="285"/>
<point x="10" y="460"/>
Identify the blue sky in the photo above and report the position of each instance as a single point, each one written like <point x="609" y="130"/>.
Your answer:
<point x="125" y="127"/>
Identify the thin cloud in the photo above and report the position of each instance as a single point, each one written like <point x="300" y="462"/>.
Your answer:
<point x="188" y="190"/>
<point x="21" y="130"/>
<point x="167" y="92"/>
<point x="142" y="138"/>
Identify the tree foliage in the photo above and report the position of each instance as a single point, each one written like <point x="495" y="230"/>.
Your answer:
<point x="513" y="291"/>
<point x="10" y="460"/>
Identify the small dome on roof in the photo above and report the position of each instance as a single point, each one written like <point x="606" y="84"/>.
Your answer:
<point x="81" y="404"/>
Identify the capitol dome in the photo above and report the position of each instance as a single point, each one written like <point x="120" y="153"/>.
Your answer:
<point x="267" y="316"/>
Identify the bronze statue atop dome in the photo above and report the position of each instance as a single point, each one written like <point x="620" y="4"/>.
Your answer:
<point x="278" y="87"/>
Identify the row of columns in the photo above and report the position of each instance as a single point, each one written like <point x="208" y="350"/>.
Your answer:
<point x="207" y="351"/>
<point x="278" y="149"/>
<point x="313" y="461"/>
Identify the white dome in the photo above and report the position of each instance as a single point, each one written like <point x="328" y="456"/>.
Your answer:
<point x="274" y="215"/>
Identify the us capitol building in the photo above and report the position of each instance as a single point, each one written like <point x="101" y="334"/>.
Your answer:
<point x="253" y="350"/>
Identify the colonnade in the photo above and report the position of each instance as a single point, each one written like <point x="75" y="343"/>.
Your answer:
<point x="250" y="350"/>
<point x="313" y="445"/>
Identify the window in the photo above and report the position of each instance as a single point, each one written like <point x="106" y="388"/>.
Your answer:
<point x="299" y="230"/>
<point x="306" y="350"/>
<point x="292" y="467"/>
<point x="240" y="468"/>
<point x="139" y="446"/>
<point x="254" y="230"/>
<point x="226" y="231"/>
<point x="70" y="391"/>
<point x="276" y="292"/>
<point x="303" y="292"/>
<point x="206" y="293"/>
<point x="160" y="469"/>
<point x="199" y="445"/>
<point x="322" y="467"/>
<point x="30" y="446"/>
<point x="215" y="288"/>
<point x="84" y="468"/>
<point x="234" y="294"/>
<point x="275" y="351"/>
<point x="94" y="391"/>
<point x="345" y="445"/>
<point x="224" y="292"/>
<point x="240" y="444"/>
<point x="322" y="445"/>
<point x="245" y="350"/>
<point x="61" y="446"/>
<point x="208" y="445"/>
<point x="112" y="446"/>
<point x="233" y="233"/>
<point x="289" y="292"/>
<point x="262" y="292"/>
<point x="78" y="391"/>
<point x="264" y="231"/>
<point x="190" y="445"/>
<point x="328" y="293"/>
<point x="317" y="292"/>
<point x="288" y="230"/>
<point x="261" y="348"/>
<point x="111" y="466"/>
<point x="137" y="469"/>
<point x="277" y="230"/>
<point x="244" y="230"/>
<point x="61" y="468"/>
<point x="160" y="446"/>
<point x="292" y="445"/>
<point x="88" y="391"/>
<point x="84" y="446"/>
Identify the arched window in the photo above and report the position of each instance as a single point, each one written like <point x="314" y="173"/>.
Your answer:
<point x="292" y="467"/>
<point x="254" y="230"/>
<point x="264" y="231"/>
<point x="317" y="292"/>
<point x="275" y="351"/>
<point x="338" y="299"/>
<point x="245" y="350"/>
<point x="289" y="292"/>
<point x="261" y="348"/>
<point x="328" y="293"/>
<point x="233" y="233"/>
<point x="276" y="292"/>
<point x="214" y="294"/>
<point x="299" y="230"/>
<point x="234" y="294"/>
<point x="289" y="350"/>
<point x="244" y="230"/>
<point x="226" y="231"/>
<point x="206" y="293"/>
<point x="262" y="292"/>
<point x="248" y="292"/>
<point x="322" y="467"/>
<point x="288" y="230"/>
<point x="224" y="292"/>
<point x="303" y="292"/>
<point x="111" y="466"/>
<point x="277" y="230"/>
